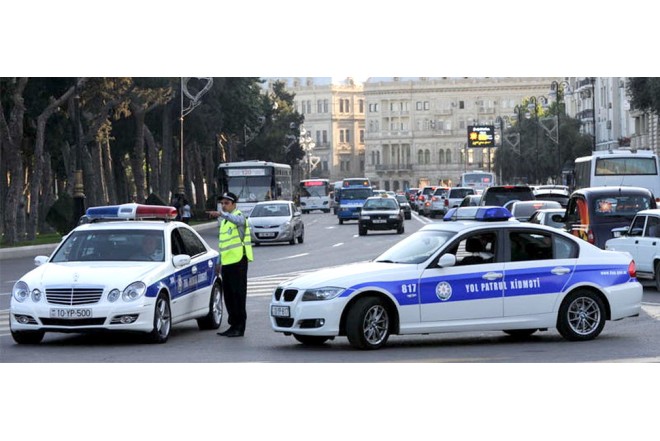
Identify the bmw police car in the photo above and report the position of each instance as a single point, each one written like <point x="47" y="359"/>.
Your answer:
<point x="114" y="273"/>
<point x="487" y="273"/>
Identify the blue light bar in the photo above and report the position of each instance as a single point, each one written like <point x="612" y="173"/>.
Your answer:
<point x="483" y="214"/>
<point x="131" y="212"/>
<point x="108" y="211"/>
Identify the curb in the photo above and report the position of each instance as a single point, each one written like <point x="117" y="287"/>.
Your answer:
<point x="47" y="249"/>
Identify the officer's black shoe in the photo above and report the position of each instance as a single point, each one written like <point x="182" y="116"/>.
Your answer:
<point x="234" y="333"/>
<point x="227" y="331"/>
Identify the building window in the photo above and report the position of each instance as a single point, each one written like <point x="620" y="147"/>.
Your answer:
<point x="361" y="164"/>
<point x="348" y="135"/>
<point x="373" y="158"/>
<point x="461" y="104"/>
<point x="318" y="137"/>
<point x="309" y="106"/>
<point x="319" y="106"/>
<point x="341" y="135"/>
<point x="441" y="156"/>
<point x="361" y="103"/>
<point x="347" y="106"/>
<point x="325" y="106"/>
<point x="448" y="156"/>
<point x="427" y="156"/>
<point x="325" y="137"/>
<point x="426" y="105"/>
<point x="341" y="106"/>
<point x="324" y="166"/>
<point x="361" y="136"/>
<point x="418" y="105"/>
<point x="420" y="157"/>
<point x="348" y="166"/>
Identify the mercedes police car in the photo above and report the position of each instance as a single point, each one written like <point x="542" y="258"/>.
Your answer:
<point x="115" y="273"/>
<point x="479" y="271"/>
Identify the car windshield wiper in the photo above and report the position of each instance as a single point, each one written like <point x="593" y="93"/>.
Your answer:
<point x="385" y="261"/>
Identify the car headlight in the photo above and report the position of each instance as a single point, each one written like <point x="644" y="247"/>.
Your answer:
<point x="286" y="225"/>
<point x="134" y="291"/>
<point x="365" y="217"/>
<point x="21" y="291"/>
<point x="326" y="293"/>
<point x="36" y="295"/>
<point x="394" y="216"/>
<point x="113" y="295"/>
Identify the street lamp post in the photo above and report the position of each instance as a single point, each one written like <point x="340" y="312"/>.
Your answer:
<point x="533" y="104"/>
<point x="518" y="110"/>
<point x="557" y="89"/>
<point x="307" y="144"/>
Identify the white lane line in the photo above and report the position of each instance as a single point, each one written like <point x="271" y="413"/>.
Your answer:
<point x="291" y="257"/>
<point x="338" y="244"/>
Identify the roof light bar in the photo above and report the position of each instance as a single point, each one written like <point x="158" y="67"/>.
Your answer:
<point x="483" y="214"/>
<point x="132" y="212"/>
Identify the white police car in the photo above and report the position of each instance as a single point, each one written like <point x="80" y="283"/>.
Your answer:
<point x="117" y="274"/>
<point x="493" y="274"/>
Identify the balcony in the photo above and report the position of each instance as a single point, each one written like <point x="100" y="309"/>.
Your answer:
<point x="393" y="167"/>
<point x="585" y="114"/>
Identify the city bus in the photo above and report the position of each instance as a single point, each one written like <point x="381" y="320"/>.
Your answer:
<point x="349" y="182"/>
<point x="351" y="197"/>
<point x="255" y="181"/>
<point x="479" y="180"/>
<point x="636" y="168"/>
<point x="314" y="195"/>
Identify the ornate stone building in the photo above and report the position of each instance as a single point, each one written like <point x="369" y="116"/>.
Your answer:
<point x="416" y="128"/>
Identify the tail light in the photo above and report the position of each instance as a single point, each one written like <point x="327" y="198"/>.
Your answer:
<point x="446" y="202"/>
<point x="435" y="199"/>
<point x="632" y="269"/>
<point x="590" y="237"/>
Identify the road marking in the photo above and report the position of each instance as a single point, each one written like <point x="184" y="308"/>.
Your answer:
<point x="290" y="257"/>
<point x="338" y="244"/>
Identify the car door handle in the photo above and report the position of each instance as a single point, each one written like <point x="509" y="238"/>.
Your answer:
<point x="492" y="276"/>
<point x="560" y="271"/>
<point x="194" y="270"/>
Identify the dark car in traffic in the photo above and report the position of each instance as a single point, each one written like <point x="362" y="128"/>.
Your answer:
<point x="380" y="213"/>
<point x="405" y="205"/>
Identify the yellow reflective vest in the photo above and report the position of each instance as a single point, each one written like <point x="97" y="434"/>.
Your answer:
<point x="230" y="244"/>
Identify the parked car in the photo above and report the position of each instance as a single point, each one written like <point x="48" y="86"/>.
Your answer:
<point x="523" y="210"/>
<point x="642" y="241"/>
<point x="593" y="212"/>
<point x="552" y="217"/>
<point x="471" y="200"/>
<point x="276" y="221"/>
<point x="405" y="205"/>
<point x="380" y="213"/>
<point x="501" y="194"/>
<point x="131" y="268"/>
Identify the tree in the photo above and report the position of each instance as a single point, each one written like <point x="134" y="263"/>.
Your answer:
<point x="644" y="94"/>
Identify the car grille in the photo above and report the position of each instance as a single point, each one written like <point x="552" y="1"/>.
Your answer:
<point x="72" y="322"/>
<point x="288" y="294"/>
<point x="284" y="322"/>
<point x="73" y="296"/>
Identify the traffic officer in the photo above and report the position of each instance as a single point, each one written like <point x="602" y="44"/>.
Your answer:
<point x="235" y="253"/>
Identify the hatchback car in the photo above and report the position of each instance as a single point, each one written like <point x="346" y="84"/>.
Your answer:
<point x="592" y="213"/>
<point x="523" y="210"/>
<point x="120" y="276"/>
<point x="500" y="195"/>
<point x="276" y="221"/>
<point x="405" y="205"/>
<point x="642" y="240"/>
<point x="485" y="274"/>
<point x="380" y="213"/>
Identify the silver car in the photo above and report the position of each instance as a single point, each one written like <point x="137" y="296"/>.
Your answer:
<point x="276" y="221"/>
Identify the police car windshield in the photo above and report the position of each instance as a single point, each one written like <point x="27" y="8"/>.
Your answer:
<point x="112" y="245"/>
<point x="416" y="248"/>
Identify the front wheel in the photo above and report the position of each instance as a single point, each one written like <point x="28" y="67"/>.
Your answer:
<point x="341" y="221"/>
<point x="581" y="316"/>
<point x="213" y="319"/>
<point x="27" y="337"/>
<point x="301" y="238"/>
<point x="400" y="230"/>
<point x="362" y="231"/>
<point x="162" y="320"/>
<point x="311" y="340"/>
<point x="657" y="276"/>
<point x="368" y="323"/>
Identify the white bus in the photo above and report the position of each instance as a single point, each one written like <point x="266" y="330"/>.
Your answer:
<point x="637" y="168"/>
<point x="255" y="181"/>
<point x="314" y="195"/>
<point x="479" y="180"/>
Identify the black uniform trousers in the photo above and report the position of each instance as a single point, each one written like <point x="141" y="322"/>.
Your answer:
<point x="234" y="284"/>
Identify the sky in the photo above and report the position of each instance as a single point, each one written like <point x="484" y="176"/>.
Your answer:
<point x="338" y="39"/>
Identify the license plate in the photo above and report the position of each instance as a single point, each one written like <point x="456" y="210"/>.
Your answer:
<point x="279" y="311"/>
<point x="379" y="221"/>
<point x="77" y="313"/>
<point x="267" y="234"/>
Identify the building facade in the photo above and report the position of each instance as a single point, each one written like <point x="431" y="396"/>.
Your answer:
<point x="416" y="128"/>
<point x="334" y="116"/>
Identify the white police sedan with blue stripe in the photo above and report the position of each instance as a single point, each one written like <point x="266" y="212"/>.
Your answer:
<point x="479" y="271"/>
<point x="115" y="273"/>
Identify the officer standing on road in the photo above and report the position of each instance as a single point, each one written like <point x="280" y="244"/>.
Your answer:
<point x="235" y="253"/>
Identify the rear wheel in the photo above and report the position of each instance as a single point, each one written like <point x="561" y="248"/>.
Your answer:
<point x="368" y="324"/>
<point x="311" y="340"/>
<point x="581" y="316"/>
<point x="341" y="221"/>
<point x="213" y="319"/>
<point x="162" y="320"/>
<point x="657" y="275"/>
<point x="27" y="337"/>
<point x="400" y="230"/>
<point x="301" y="238"/>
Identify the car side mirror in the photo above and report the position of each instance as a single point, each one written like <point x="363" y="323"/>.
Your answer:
<point x="447" y="260"/>
<point x="40" y="260"/>
<point x="181" y="260"/>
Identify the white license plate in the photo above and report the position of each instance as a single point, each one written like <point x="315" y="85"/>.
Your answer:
<point x="279" y="311"/>
<point x="76" y="313"/>
<point x="267" y="235"/>
<point x="379" y="221"/>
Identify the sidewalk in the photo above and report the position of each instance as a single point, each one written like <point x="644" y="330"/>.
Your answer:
<point x="47" y="249"/>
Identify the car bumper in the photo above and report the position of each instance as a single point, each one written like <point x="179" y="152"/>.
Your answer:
<point x="319" y="318"/>
<point x="625" y="300"/>
<point x="272" y="235"/>
<point x="103" y="317"/>
<point x="389" y="224"/>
